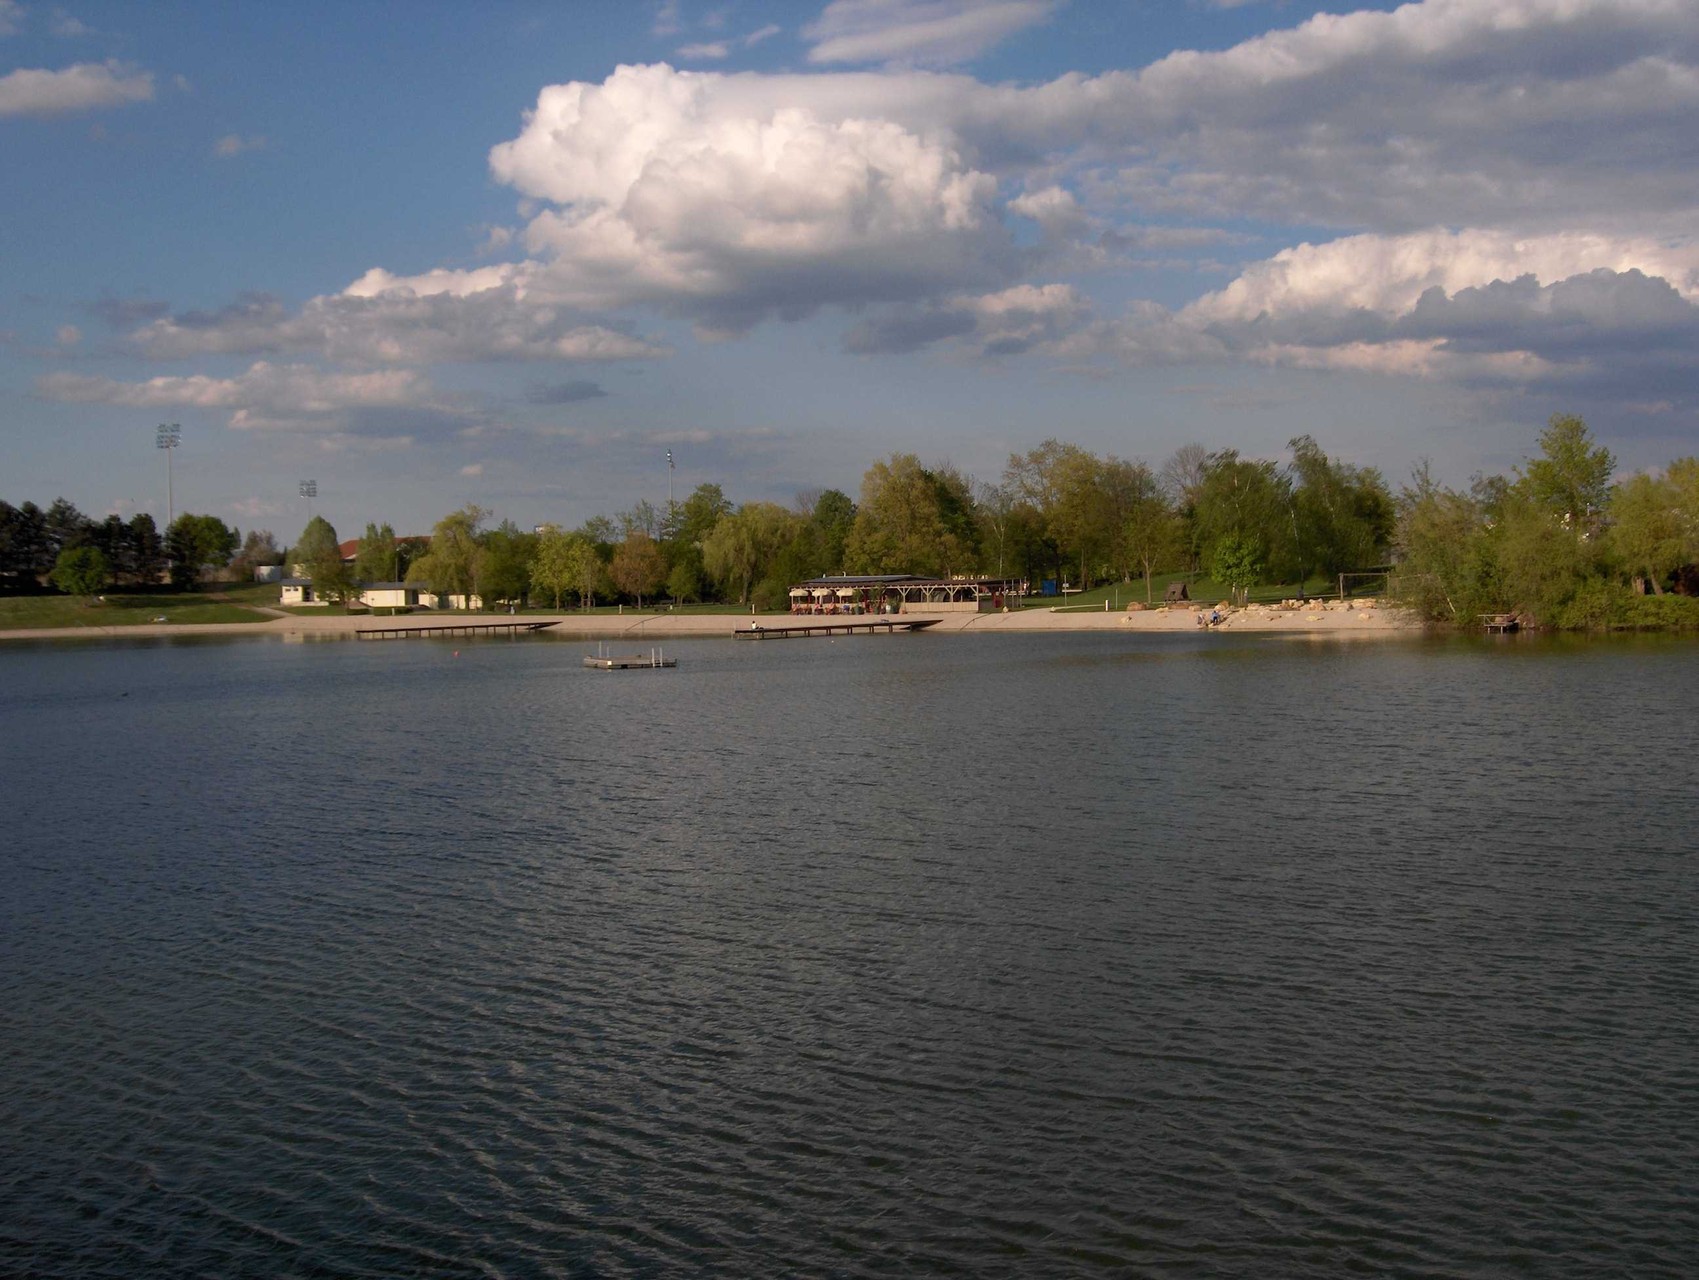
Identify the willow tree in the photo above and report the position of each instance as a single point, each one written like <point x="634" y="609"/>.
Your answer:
<point x="450" y="567"/>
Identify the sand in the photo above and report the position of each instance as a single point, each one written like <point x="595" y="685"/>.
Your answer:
<point x="1313" y="618"/>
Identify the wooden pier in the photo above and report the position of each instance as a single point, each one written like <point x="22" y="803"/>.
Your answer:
<point x="450" y="629"/>
<point x="654" y="660"/>
<point x="849" y="627"/>
<point x="1501" y="624"/>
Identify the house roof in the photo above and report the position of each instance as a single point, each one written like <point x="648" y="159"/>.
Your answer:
<point x="351" y="548"/>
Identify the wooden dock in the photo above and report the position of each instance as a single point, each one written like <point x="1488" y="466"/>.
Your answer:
<point x="1501" y="624"/>
<point x="845" y="627"/>
<point x="468" y="628"/>
<point x="654" y="660"/>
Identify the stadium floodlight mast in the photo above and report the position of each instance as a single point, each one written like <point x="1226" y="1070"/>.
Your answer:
<point x="167" y="437"/>
<point x="669" y="484"/>
<point x="309" y="491"/>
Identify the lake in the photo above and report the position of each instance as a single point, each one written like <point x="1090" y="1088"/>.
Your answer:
<point x="1050" y="955"/>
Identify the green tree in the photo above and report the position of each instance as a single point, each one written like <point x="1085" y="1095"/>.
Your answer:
<point x="1151" y="535"/>
<point x="1650" y="535"/>
<point x="744" y="545"/>
<point x="1572" y="475"/>
<point x="317" y="545"/>
<point x="683" y="583"/>
<point x="638" y="568"/>
<point x="81" y="571"/>
<point x="147" y="550"/>
<point x="450" y="567"/>
<point x="259" y="549"/>
<point x="1342" y="516"/>
<point x="909" y="520"/>
<point x="1440" y="547"/>
<point x="1246" y="503"/>
<point x="318" y="556"/>
<point x="378" y="558"/>
<point x="551" y="569"/>
<point x="195" y="544"/>
<point x="504" y="563"/>
<point x="1238" y="563"/>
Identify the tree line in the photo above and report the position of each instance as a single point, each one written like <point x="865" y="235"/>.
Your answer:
<point x="62" y="547"/>
<point x="1058" y="512"/>
<point x="1559" y="541"/>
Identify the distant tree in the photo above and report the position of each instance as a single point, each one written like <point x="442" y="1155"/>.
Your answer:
<point x="684" y="584"/>
<point x="26" y="556"/>
<point x="1650" y="534"/>
<point x="1439" y="547"/>
<point x="1244" y="502"/>
<point x="551" y="568"/>
<point x="1151" y="535"/>
<point x="638" y="568"/>
<point x="642" y="518"/>
<point x="67" y="527"/>
<point x="318" y="555"/>
<point x="378" y="557"/>
<point x="146" y="550"/>
<point x="450" y="567"/>
<point x="744" y="546"/>
<point x="909" y="520"/>
<point x="196" y="544"/>
<point x="1238" y="564"/>
<point x="832" y="516"/>
<point x="316" y="545"/>
<point x="1572" y="475"/>
<point x="1342" y="516"/>
<point x="81" y="571"/>
<point x="504" y="563"/>
<point x="1183" y="473"/>
<point x="259" y="550"/>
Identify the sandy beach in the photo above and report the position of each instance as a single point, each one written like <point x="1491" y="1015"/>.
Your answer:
<point x="1355" y="618"/>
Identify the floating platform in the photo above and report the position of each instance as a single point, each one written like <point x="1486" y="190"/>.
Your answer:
<point x="653" y="660"/>
<point x="850" y="627"/>
<point x="451" y="629"/>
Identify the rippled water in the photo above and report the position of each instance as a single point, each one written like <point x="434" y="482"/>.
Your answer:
<point x="1082" y="955"/>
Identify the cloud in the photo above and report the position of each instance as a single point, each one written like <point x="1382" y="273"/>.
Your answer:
<point x="680" y="189"/>
<point x="11" y="17"/>
<point x="1585" y="314"/>
<point x="68" y="28"/>
<point x="711" y="52"/>
<point x="87" y="86"/>
<point x="68" y="335"/>
<point x="571" y="392"/>
<point x="1010" y="322"/>
<point x="472" y="469"/>
<point x="232" y="145"/>
<point x="386" y="403"/>
<point x="482" y="315"/>
<point x="918" y="32"/>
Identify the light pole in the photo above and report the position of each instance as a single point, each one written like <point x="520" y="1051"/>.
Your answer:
<point x="309" y="491"/>
<point x="168" y="436"/>
<point x="669" y="482"/>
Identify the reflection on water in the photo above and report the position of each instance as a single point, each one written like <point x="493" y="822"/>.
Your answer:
<point x="1170" y="955"/>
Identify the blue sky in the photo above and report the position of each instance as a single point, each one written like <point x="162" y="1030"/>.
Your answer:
<point x="513" y="253"/>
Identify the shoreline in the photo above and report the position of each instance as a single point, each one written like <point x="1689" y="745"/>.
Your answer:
<point x="1314" y="619"/>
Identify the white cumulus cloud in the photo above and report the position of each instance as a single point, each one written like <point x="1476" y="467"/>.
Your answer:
<point x="87" y="86"/>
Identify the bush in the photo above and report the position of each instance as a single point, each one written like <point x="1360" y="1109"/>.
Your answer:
<point x="1605" y="606"/>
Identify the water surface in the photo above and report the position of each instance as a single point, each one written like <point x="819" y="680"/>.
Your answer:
<point x="1004" y="955"/>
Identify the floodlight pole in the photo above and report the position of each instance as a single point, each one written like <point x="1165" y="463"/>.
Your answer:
<point x="167" y="437"/>
<point x="309" y="491"/>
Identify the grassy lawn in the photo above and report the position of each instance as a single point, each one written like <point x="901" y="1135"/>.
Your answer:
<point x="132" y="607"/>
